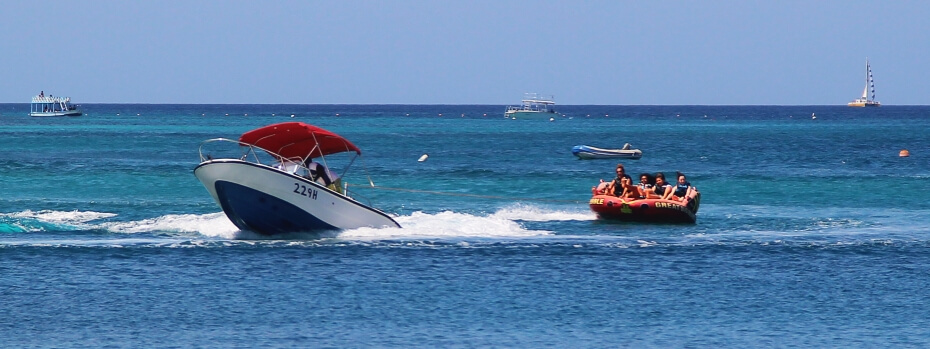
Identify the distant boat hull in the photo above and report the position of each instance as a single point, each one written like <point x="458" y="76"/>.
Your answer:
<point x="645" y="210"/>
<point x="65" y="113"/>
<point x="864" y="104"/>
<point x="530" y="115"/>
<point x="269" y="201"/>
<point x="587" y="152"/>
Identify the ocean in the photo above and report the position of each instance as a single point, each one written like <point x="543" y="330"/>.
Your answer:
<point x="812" y="232"/>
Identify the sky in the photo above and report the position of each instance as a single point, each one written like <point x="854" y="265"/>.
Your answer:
<point x="611" y="52"/>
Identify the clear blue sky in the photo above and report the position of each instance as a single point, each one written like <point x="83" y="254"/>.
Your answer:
<point x="465" y="52"/>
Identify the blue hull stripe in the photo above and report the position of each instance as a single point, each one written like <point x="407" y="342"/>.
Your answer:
<point x="252" y="210"/>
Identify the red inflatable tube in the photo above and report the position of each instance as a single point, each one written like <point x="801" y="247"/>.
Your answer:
<point x="646" y="210"/>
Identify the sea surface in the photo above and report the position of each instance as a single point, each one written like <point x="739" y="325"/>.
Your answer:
<point x="812" y="232"/>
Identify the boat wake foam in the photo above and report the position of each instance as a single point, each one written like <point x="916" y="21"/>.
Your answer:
<point x="502" y="223"/>
<point x="47" y="220"/>
<point x="753" y="225"/>
<point x="212" y="225"/>
<point x="444" y="225"/>
<point x="61" y="217"/>
<point x="529" y="213"/>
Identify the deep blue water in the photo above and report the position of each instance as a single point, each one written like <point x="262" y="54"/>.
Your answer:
<point x="811" y="232"/>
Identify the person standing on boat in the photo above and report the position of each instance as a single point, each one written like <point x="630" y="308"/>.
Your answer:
<point x="318" y="173"/>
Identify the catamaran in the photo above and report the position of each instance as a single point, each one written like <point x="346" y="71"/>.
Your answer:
<point x="534" y="106"/>
<point x="866" y="100"/>
<point x="43" y="105"/>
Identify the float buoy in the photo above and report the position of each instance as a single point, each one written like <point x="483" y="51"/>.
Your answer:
<point x="423" y="158"/>
<point x="904" y="153"/>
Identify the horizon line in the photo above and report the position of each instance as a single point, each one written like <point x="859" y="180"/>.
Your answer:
<point x="460" y="104"/>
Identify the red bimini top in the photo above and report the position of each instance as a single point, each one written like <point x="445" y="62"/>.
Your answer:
<point x="297" y="140"/>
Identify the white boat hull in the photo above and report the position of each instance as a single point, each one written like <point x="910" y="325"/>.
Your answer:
<point x="57" y="113"/>
<point x="268" y="201"/>
<point x="864" y="104"/>
<point x="530" y="115"/>
<point x="586" y="152"/>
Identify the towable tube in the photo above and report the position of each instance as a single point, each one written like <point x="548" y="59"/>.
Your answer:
<point x="646" y="210"/>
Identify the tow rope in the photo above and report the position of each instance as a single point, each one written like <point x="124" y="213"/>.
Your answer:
<point x="465" y="195"/>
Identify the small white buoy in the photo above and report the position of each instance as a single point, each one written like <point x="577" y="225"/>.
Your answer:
<point x="423" y="158"/>
<point x="551" y="119"/>
<point x="272" y="114"/>
<point x="292" y="115"/>
<point x="246" y="114"/>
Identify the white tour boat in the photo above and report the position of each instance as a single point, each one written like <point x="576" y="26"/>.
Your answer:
<point x="534" y="106"/>
<point x="272" y="185"/>
<point x="43" y="105"/>
<point x="866" y="100"/>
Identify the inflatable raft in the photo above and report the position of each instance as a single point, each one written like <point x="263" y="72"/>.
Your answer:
<point x="646" y="210"/>
<point x="589" y="152"/>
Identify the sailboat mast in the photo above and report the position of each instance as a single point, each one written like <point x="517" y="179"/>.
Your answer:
<point x="870" y="82"/>
<point x="868" y="93"/>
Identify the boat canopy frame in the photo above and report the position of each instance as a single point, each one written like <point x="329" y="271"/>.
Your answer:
<point x="48" y="104"/>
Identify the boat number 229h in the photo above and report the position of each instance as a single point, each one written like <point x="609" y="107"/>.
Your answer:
<point x="303" y="190"/>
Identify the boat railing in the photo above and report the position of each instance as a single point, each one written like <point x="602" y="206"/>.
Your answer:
<point x="258" y="155"/>
<point x="354" y="194"/>
<point x="538" y="98"/>
<point x="247" y="152"/>
<point x="46" y="99"/>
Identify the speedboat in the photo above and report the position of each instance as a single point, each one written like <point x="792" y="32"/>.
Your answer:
<point x="646" y="210"/>
<point x="274" y="185"/>
<point x="43" y="105"/>
<point x="534" y="106"/>
<point x="589" y="152"/>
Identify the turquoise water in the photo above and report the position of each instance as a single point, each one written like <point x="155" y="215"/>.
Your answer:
<point x="811" y="233"/>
